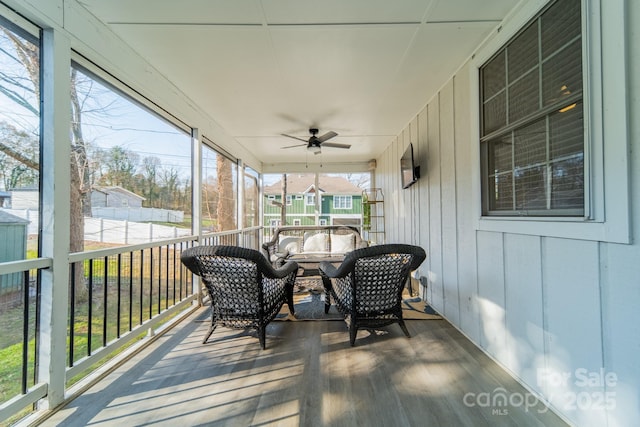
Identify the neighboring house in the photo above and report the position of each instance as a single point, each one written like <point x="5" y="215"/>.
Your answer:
<point x="341" y="201"/>
<point x="115" y="197"/>
<point x="117" y="203"/>
<point x="25" y="198"/>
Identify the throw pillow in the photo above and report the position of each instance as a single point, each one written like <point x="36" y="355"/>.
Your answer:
<point x="342" y="243"/>
<point x="289" y="243"/>
<point x="316" y="243"/>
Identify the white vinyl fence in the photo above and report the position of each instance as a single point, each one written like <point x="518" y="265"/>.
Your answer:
<point x="128" y="233"/>
<point x="110" y="230"/>
<point x="138" y="214"/>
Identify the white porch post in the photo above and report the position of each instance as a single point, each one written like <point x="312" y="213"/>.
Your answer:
<point x="56" y="155"/>
<point x="261" y="209"/>
<point x="318" y="199"/>
<point x="240" y="204"/>
<point x="196" y="196"/>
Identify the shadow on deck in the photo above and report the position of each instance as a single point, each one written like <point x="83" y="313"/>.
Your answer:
<point x="307" y="376"/>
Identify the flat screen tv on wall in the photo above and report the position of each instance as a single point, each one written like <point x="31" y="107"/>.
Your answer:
<point x="410" y="172"/>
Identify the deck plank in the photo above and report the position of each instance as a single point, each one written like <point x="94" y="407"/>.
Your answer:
<point x="307" y="376"/>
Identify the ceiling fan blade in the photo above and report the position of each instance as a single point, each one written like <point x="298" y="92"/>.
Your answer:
<point x="335" y="145"/>
<point x="326" y="136"/>
<point x="294" y="137"/>
<point x="293" y="146"/>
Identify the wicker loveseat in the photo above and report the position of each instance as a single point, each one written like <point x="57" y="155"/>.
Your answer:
<point x="310" y="245"/>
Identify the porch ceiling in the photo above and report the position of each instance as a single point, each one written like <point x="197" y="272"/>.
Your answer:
<point x="260" y="68"/>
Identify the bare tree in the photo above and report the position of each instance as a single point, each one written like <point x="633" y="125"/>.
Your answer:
<point x="209" y="199"/>
<point x="120" y="166"/>
<point x="24" y="89"/>
<point x="18" y="159"/>
<point x="25" y="57"/>
<point x="226" y="199"/>
<point x="150" y="170"/>
<point x="250" y="204"/>
<point x="170" y="187"/>
<point x="20" y="83"/>
<point x="361" y="180"/>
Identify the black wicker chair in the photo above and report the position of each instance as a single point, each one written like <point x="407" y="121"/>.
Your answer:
<point x="245" y="290"/>
<point x="367" y="286"/>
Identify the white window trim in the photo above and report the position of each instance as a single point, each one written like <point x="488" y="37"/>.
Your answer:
<point x="297" y="221"/>
<point x="344" y="197"/>
<point x="11" y="16"/>
<point x="289" y="199"/>
<point x="606" y="119"/>
<point x="306" y="199"/>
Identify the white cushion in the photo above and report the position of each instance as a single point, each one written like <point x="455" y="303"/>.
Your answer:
<point x="289" y="243"/>
<point x="342" y="243"/>
<point x="316" y="243"/>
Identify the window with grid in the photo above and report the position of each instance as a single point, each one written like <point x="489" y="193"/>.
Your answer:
<point x="532" y="130"/>
<point x="342" y="202"/>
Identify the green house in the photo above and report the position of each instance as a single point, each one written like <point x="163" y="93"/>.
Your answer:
<point x="340" y="201"/>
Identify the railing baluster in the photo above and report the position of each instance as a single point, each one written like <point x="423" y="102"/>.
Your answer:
<point x="141" y="281"/>
<point x="25" y="333"/>
<point x="180" y="271"/>
<point x="159" y="278"/>
<point x="105" y="302"/>
<point x="151" y="283"/>
<point x="174" y="274"/>
<point x="90" y="308"/>
<point x="119" y="298"/>
<point x="72" y="313"/>
<point x="166" y="301"/>
<point x="36" y="331"/>
<point x="130" y="290"/>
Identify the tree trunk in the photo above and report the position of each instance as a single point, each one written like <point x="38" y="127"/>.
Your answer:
<point x="226" y="200"/>
<point x="79" y="155"/>
<point x="80" y="192"/>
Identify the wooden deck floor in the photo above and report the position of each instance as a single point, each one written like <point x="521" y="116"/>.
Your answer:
<point x="307" y="376"/>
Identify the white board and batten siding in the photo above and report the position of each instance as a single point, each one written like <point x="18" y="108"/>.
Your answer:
<point x="541" y="299"/>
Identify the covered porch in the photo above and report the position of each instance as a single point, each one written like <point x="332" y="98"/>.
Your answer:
<point x="521" y="115"/>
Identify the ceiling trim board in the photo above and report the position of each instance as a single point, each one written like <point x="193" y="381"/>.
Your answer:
<point x="187" y="24"/>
